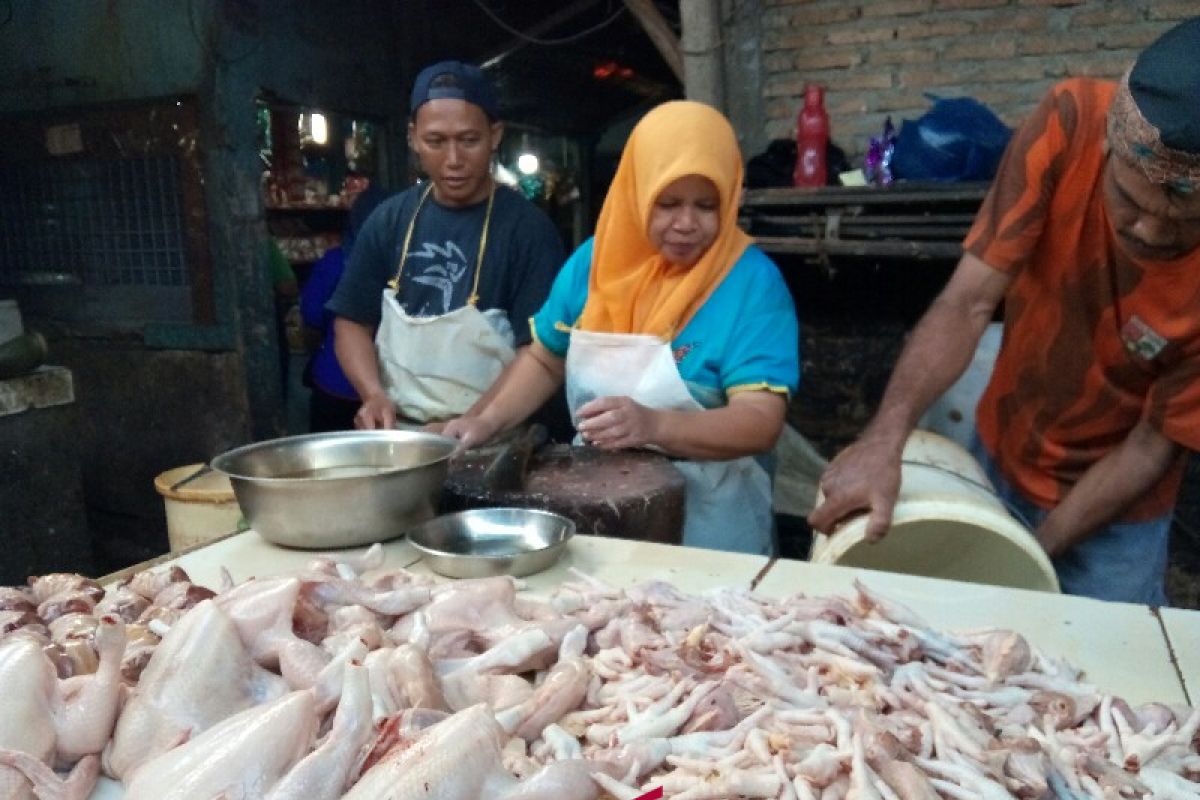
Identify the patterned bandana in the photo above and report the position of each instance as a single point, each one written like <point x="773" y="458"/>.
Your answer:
<point x="1140" y="142"/>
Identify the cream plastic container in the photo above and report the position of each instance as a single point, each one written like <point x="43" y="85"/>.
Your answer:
<point x="948" y="523"/>
<point x="199" y="511"/>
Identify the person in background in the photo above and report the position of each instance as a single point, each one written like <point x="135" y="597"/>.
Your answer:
<point x="671" y="330"/>
<point x="443" y="277"/>
<point x="1090" y="235"/>
<point x="284" y="291"/>
<point x="333" y="402"/>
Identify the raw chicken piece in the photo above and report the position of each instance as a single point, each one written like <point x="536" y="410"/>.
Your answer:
<point x="459" y="759"/>
<point x="199" y="674"/>
<point x="85" y="707"/>
<point x="53" y="721"/>
<point x="563" y="690"/>
<point x="25" y="718"/>
<point x="240" y="757"/>
<point x="148" y="583"/>
<point x="46" y="783"/>
<point x="324" y="773"/>
<point x="263" y="610"/>
<point x="490" y="676"/>
<point x="411" y="678"/>
<point x="123" y="602"/>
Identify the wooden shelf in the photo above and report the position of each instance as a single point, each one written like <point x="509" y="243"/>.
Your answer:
<point x="794" y="245"/>
<point x="896" y="194"/>
<point x="903" y="221"/>
<point x="340" y="206"/>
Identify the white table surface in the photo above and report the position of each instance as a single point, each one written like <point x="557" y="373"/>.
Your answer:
<point x="1121" y="647"/>
<point x="618" y="562"/>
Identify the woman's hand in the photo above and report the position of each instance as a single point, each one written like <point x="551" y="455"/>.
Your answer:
<point x="470" y="431"/>
<point x="615" y="423"/>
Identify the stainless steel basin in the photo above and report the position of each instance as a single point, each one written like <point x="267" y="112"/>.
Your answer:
<point x="492" y="541"/>
<point x="342" y="489"/>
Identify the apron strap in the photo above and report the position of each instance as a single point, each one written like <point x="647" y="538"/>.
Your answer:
<point x="473" y="297"/>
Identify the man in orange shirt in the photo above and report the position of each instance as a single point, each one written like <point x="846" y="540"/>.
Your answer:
<point x="1090" y="235"/>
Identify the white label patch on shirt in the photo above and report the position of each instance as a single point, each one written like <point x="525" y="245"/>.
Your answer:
<point x="1141" y="340"/>
<point x="441" y="267"/>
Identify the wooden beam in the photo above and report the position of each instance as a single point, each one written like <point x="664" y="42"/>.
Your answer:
<point x="660" y="33"/>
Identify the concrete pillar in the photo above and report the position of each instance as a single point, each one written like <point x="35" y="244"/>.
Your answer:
<point x="703" y="76"/>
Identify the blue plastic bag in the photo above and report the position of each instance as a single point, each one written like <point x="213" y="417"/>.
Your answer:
<point x="959" y="139"/>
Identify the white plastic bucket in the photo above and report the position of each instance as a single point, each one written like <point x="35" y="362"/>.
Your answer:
<point x="200" y="510"/>
<point x="948" y="523"/>
<point x="798" y="470"/>
<point x="953" y="414"/>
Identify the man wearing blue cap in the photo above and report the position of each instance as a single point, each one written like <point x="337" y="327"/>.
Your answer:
<point x="1090" y="235"/>
<point x="462" y="264"/>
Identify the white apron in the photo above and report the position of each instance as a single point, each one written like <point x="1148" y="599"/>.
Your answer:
<point x="435" y="368"/>
<point x="728" y="503"/>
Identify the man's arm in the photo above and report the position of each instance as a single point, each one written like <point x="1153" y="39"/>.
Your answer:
<point x="1109" y="487"/>
<point x="526" y="383"/>
<point x="866" y="475"/>
<point x="354" y="344"/>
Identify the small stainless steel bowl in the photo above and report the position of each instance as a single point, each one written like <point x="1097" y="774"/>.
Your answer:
<point x="483" y="542"/>
<point x="342" y="489"/>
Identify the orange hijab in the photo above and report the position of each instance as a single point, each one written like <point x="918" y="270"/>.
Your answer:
<point x="633" y="288"/>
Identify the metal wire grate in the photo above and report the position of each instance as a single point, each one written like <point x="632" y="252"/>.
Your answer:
<point x="94" y="222"/>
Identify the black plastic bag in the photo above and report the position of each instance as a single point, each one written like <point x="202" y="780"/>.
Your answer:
<point x="959" y="139"/>
<point x="774" y="166"/>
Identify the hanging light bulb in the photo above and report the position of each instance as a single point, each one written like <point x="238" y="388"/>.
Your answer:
<point x="318" y="128"/>
<point x="527" y="163"/>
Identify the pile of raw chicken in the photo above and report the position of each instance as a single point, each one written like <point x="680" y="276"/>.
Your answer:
<point x="350" y="680"/>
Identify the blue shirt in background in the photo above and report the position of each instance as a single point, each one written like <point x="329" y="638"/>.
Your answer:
<point x="322" y="280"/>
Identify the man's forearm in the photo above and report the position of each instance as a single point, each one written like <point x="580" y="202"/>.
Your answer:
<point x="498" y="385"/>
<point x="524" y="385"/>
<point x="1108" y="488"/>
<point x="939" y="349"/>
<point x="355" y="348"/>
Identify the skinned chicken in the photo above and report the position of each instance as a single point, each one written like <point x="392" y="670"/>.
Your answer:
<point x="55" y="722"/>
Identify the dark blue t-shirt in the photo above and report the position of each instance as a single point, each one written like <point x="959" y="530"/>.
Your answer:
<point x="522" y="257"/>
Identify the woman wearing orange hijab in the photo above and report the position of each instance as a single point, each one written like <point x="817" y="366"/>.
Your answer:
<point x="672" y="330"/>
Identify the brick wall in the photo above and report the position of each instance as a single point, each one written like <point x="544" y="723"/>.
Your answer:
<point x="879" y="57"/>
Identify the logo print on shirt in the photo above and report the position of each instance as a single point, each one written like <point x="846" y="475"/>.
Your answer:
<point x="1141" y="340"/>
<point x="444" y="268"/>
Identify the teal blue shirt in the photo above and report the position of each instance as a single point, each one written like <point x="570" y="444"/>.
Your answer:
<point x="744" y="338"/>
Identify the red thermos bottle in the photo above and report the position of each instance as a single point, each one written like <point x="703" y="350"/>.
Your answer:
<point x="812" y="138"/>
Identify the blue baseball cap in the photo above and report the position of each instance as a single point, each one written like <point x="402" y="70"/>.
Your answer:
<point x="1165" y="83"/>
<point x="456" y="81"/>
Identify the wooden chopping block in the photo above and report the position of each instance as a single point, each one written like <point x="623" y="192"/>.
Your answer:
<point x="625" y="494"/>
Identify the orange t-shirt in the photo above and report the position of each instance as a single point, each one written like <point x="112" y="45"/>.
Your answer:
<point x="1094" y="339"/>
